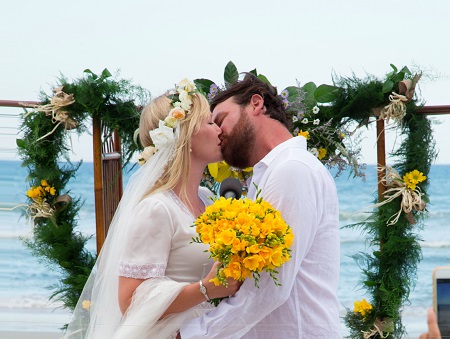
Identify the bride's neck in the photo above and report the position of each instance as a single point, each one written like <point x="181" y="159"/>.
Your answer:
<point x="192" y="184"/>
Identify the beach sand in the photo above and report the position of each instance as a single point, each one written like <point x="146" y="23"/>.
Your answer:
<point x="45" y="323"/>
<point x="30" y="335"/>
<point x="32" y="323"/>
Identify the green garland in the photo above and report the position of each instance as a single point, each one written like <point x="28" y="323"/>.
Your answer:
<point x="322" y="113"/>
<point x="56" y="242"/>
<point x="389" y="272"/>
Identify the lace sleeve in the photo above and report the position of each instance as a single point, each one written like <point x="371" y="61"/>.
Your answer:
<point x="148" y="241"/>
<point x="145" y="271"/>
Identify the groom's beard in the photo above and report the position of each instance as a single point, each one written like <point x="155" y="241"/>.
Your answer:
<point x="239" y="144"/>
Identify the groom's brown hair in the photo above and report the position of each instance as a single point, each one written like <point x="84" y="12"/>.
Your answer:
<point x="242" y="91"/>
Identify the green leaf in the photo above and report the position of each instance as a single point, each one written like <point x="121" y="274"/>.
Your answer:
<point x="387" y="86"/>
<point x="231" y="74"/>
<point x="394" y="70"/>
<point x="254" y="72"/>
<point x="406" y="70"/>
<point x="326" y="93"/>
<point x="21" y="143"/>
<point x="203" y="85"/>
<point x="26" y="162"/>
<point x="106" y="74"/>
<point x="30" y="177"/>
<point x="370" y="283"/>
<point x="309" y="88"/>
<point x="264" y="79"/>
<point x="398" y="77"/>
<point x="92" y="74"/>
<point x="292" y="91"/>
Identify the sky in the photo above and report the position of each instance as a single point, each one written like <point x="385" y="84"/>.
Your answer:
<point x="157" y="43"/>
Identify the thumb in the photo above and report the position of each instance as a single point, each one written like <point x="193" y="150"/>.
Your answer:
<point x="433" y="328"/>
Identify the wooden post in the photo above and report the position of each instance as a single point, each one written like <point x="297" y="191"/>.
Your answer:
<point x="381" y="158"/>
<point x="98" y="182"/>
<point x="381" y="164"/>
<point x="118" y="149"/>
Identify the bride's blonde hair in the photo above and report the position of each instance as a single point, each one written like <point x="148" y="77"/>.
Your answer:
<point x="177" y="168"/>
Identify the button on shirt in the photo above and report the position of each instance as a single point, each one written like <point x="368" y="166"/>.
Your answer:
<point x="306" y="305"/>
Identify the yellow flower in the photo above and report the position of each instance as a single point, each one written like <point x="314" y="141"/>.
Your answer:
<point x="221" y="170"/>
<point x="412" y="178"/>
<point x="30" y="193"/>
<point x="226" y="237"/>
<point x="44" y="183"/>
<point x="362" y="307"/>
<point x="233" y="270"/>
<point x="265" y="253"/>
<point x="86" y="304"/>
<point x="253" y="249"/>
<point x="216" y="281"/>
<point x="288" y="239"/>
<point x="304" y="134"/>
<point x="254" y="262"/>
<point x="245" y="236"/>
<point x="277" y="257"/>
<point x="322" y="153"/>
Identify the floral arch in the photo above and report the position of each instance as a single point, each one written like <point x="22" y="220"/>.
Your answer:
<point x="329" y="116"/>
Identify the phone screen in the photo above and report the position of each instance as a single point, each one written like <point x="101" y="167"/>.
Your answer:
<point x="443" y="305"/>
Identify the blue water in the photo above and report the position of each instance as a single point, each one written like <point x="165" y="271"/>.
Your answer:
<point x="23" y="280"/>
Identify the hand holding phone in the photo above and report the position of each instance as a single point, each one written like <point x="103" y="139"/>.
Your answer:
<point x="441" y="298"/>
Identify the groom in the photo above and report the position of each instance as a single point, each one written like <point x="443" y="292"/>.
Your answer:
<point x="255" y="133"/>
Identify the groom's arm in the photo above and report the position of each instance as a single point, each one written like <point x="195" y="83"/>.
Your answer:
<point x="235" y="316"/>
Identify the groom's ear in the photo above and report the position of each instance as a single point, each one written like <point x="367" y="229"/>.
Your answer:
<point x="256" y="104"/>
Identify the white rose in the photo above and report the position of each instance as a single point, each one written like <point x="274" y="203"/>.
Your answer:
<point x="171" y="122"/>
<point x="162" y="136"/>
<point x="177" y="113"/>
<point x="146" y="154"/>
<point x="185" y="98"/>
<point x="186" y="85"/>
<point x="186" y="105"/>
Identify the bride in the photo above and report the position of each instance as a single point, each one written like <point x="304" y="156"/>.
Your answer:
<point x="149" y="277"/>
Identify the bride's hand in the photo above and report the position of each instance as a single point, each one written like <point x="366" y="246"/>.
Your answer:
<point x="220" y="291"/>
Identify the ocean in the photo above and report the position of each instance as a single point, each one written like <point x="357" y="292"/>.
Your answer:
<point x="24" y="293"/>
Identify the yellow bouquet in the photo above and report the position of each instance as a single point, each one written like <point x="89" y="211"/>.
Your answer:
<point x="246" y="237"/>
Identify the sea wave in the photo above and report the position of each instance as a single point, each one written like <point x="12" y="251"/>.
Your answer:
<point x="11" y="206"/>
<point x="435" y="244"/>
<point x="34" y="302"/>
<point x="353" y="216"/>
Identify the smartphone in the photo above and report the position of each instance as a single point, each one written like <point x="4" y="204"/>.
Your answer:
<point x="441" y="298"/>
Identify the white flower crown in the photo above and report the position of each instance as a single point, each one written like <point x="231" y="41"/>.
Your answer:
<point x="164" y="135"/>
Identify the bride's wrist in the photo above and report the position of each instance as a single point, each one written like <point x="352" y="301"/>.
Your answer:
<point x="204" y="290"/>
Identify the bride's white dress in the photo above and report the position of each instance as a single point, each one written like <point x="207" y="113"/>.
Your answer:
<point x="156" y="246"/>
<point x="160" y="248"/>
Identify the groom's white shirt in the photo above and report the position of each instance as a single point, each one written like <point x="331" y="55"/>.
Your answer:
<point x="306" y="305"/>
